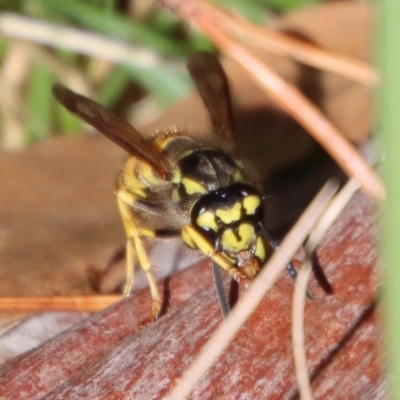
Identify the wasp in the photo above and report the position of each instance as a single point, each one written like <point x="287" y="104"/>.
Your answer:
<point x="198" y="188"/>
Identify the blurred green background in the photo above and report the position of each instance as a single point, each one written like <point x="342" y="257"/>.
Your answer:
<point x="78" y="42"/>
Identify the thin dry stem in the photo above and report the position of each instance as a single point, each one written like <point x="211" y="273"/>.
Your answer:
<point x="336" y="206"/>
<point x="298" y="334"/>
<point x="253" y="296"/>
<point x="301" y="109"/>
<point x="14" y="69"/>
<point x="285" y="95"/>
<point x="299" y="50"/>
<point x="65" y="303"/>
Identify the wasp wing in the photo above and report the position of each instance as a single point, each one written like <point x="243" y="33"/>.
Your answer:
<point x="213" y="87"/>
<point x="115" y="128"/>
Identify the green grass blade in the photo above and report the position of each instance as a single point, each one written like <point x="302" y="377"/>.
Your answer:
<point x="390" y="136"/>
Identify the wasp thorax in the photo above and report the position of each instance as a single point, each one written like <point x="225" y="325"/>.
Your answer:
<point x="229" y="218"/>
<point x="202" y="171"/>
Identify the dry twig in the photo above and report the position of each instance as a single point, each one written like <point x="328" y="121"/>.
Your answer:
<point x="65" y="303"/>
<point x="336" y="206"/>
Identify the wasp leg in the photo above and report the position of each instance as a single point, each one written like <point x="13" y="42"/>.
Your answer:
<point x="135" y="248"/>
<point x="195" y="240"/>
<point x="219" y="287"/>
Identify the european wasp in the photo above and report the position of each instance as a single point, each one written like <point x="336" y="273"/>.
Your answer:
<point x="196" y="187"/>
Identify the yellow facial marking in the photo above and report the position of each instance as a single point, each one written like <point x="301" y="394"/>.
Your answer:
<point x="207" y="220"/>
<point x="250" y="204"/>
<point x="235" y="244"/>
<point x="231" y="215"/>
<point x="260" y="250"/>
<point x="192" y="187"/>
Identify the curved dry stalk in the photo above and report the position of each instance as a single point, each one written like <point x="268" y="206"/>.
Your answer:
<point x="301" y="109"/>
<point x="253" y="296"/>
<point x="64" y="303"/>
<point x="298" y="334"/>
<point x="336" y="206"/>
<point x="285" y="95"/>
<point x="338" y="203"/>
<point x="284" y="44"/>
<point x="12" y="113"/>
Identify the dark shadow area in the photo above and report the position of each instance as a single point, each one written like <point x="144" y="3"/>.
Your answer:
<point x="166" y="296"/>
<point x="220" y="290"/>
<point x="289" y="191"/>
<point x="233" y="293"/>
<point x="96" y="276"/>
